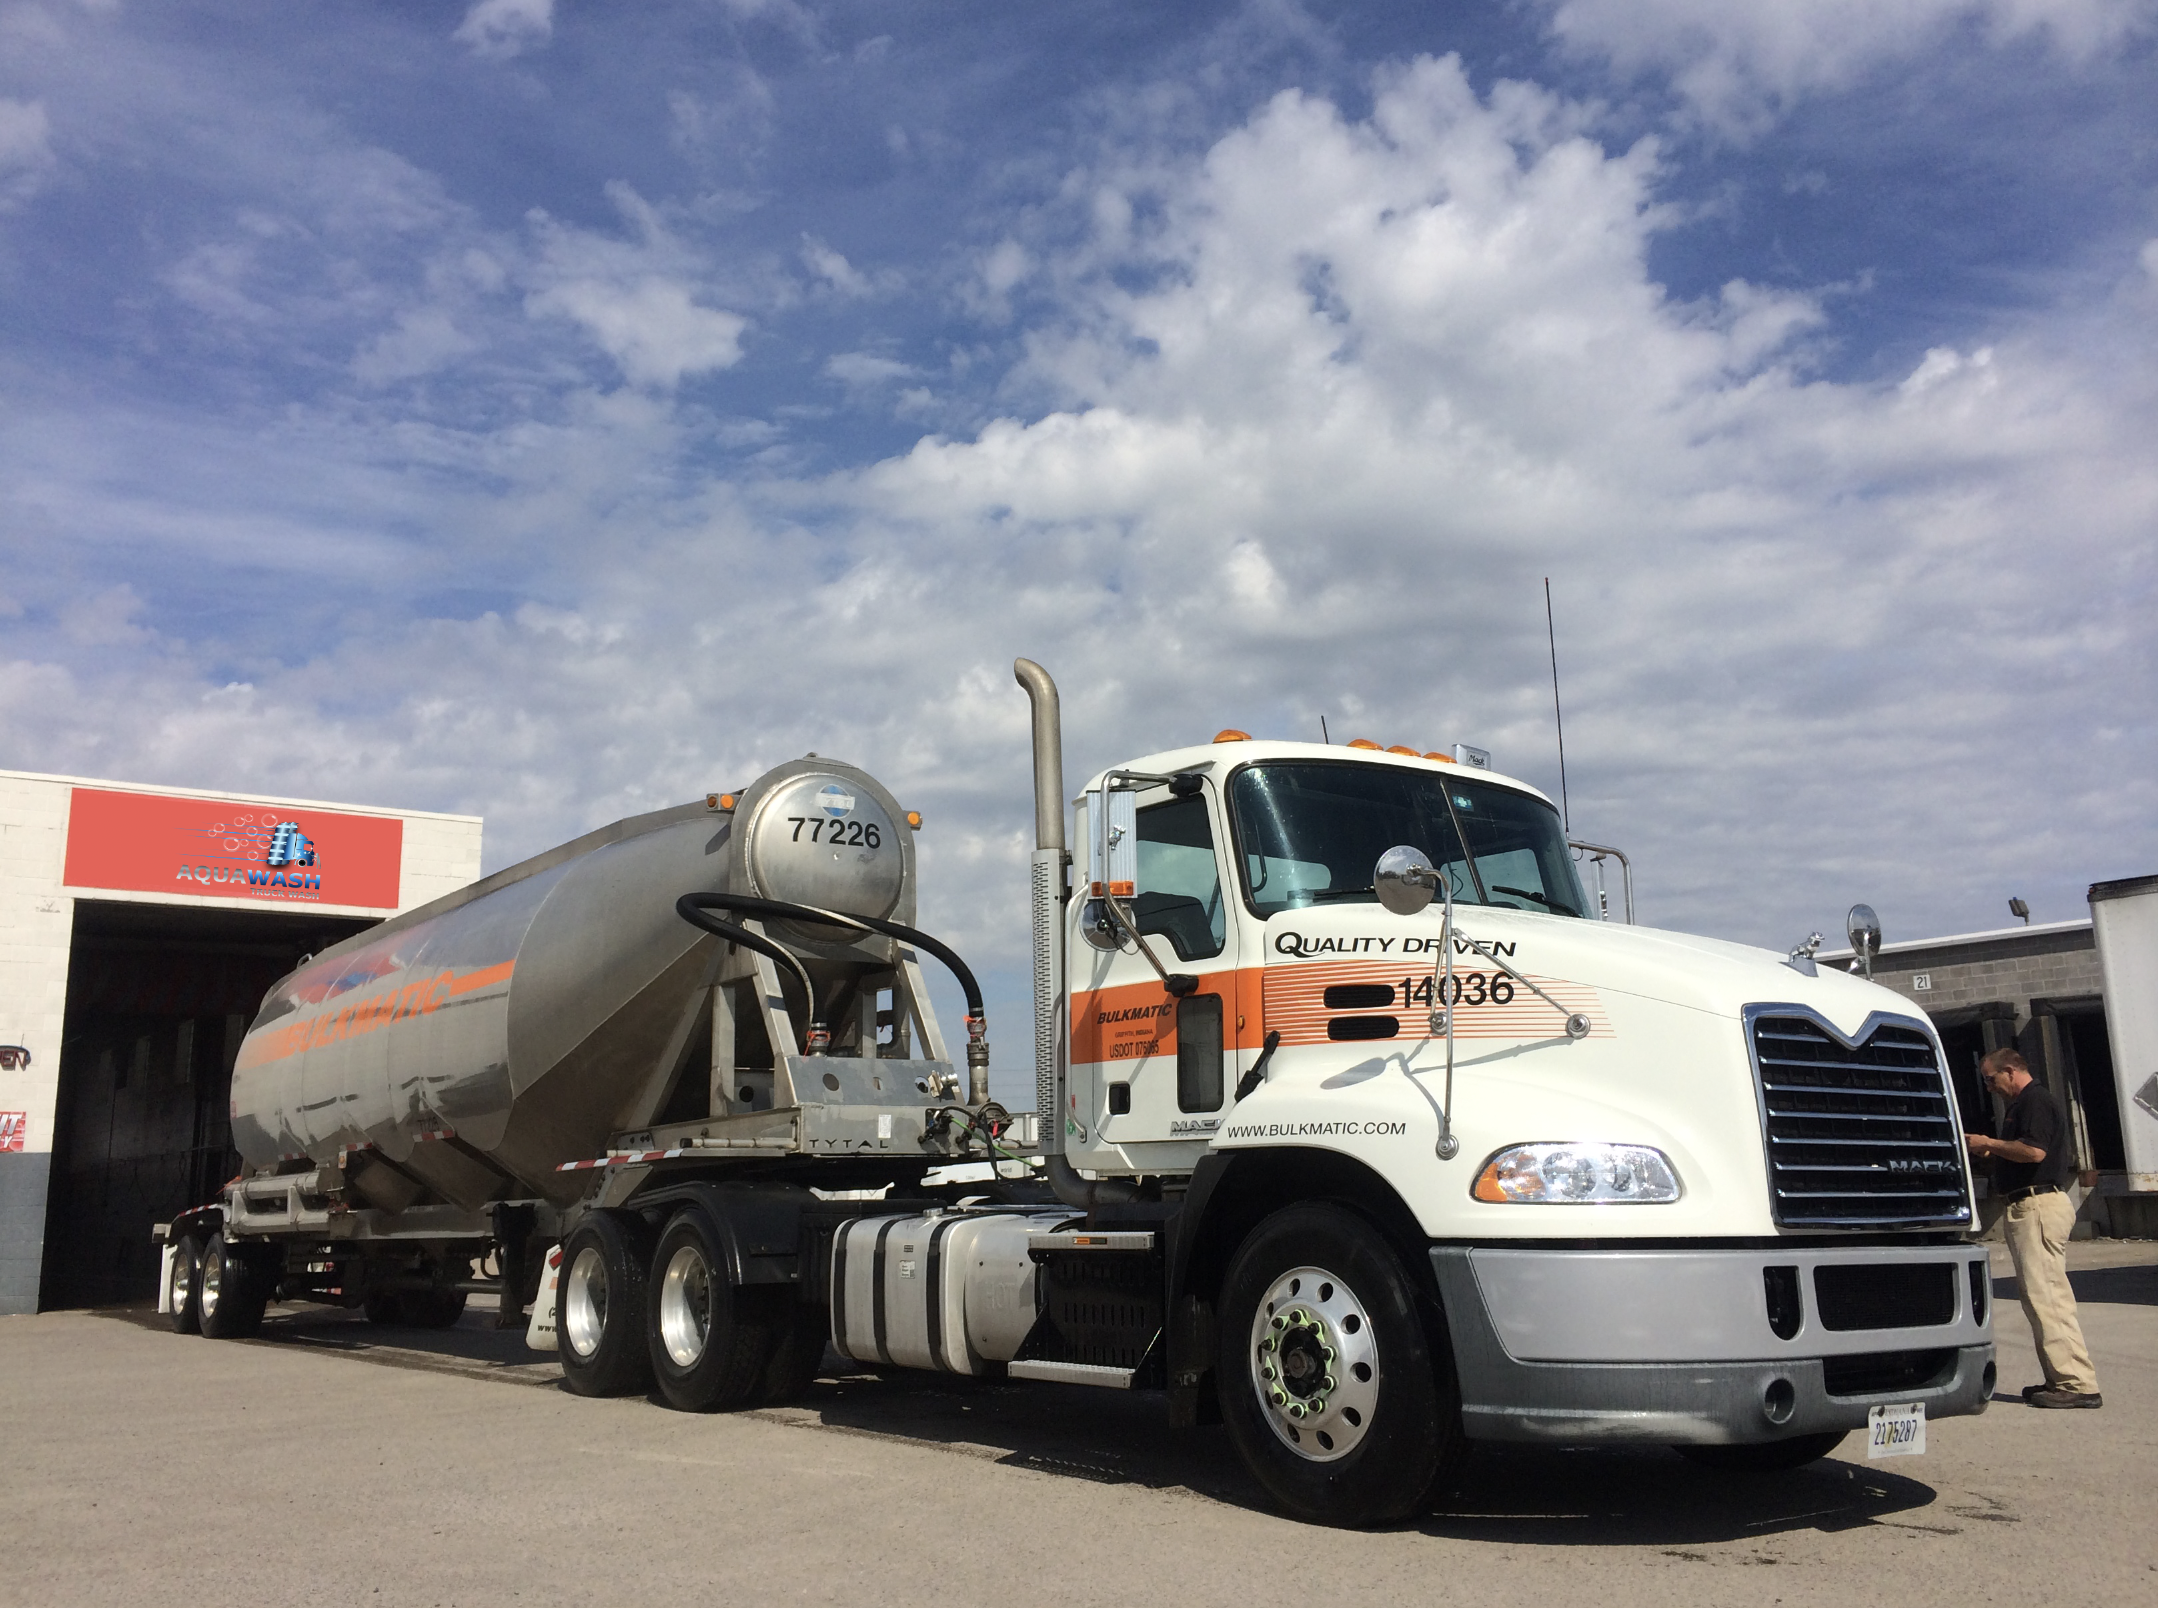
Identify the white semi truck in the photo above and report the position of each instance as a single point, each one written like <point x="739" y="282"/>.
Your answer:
<point x="1355" y="1129"/>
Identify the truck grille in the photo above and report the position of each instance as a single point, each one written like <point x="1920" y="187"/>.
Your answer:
<point x="1860" y="1136"/>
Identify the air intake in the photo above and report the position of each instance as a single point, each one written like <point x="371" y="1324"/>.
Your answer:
<point x="1859" y="1135"/>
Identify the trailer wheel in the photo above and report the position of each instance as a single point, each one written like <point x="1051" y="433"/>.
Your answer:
<point x="1767" y="1457"/>
<point x="183" y="1284"/>
<point x="711" y="1341"/>
<point x="229" y="1294"/>
<point x="1333" y="1389"/>
<point x="599" y="1321"/>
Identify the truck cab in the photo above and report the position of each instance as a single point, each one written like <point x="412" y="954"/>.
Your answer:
<point x="1616" y="1183"/>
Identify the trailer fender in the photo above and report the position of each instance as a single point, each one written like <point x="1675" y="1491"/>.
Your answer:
<point x="758" y="1226"/>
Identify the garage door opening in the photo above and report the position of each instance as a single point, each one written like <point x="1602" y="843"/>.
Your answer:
<point x="158" y="1000"/>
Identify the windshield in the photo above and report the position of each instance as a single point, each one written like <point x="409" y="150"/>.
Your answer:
<point x="1311" y="831"/>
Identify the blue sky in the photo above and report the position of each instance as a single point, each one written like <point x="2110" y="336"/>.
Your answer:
<point x="552" y="411"/>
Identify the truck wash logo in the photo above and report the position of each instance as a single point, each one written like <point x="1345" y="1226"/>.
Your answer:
<point x="835" y="801"/>
<point x="1302" y="948"/>
<point x="285" y="853"/>
<point x="221" y="849"/>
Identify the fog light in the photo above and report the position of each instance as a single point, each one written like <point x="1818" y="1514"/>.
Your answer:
<point x="1779" y="1401"/>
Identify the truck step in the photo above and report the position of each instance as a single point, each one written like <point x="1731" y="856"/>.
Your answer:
<point x="1076" y="1373"/>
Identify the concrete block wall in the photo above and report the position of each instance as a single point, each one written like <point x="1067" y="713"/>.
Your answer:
<point x="2058" y="963"/>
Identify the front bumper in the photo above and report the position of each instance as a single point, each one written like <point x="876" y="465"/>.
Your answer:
<point x="1636" y="1343"/>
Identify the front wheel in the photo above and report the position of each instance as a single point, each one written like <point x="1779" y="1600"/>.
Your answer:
<point x="1767" y="1457"/>
<point x="1333" y="1384"/>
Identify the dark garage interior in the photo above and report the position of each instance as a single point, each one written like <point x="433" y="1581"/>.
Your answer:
<point x="158" y="999"/>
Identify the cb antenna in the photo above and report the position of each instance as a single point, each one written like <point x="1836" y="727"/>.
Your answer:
<point x="1551" y="630"/>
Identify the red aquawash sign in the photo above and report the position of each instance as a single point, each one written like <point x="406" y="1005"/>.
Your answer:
<point x="208" y="848"/>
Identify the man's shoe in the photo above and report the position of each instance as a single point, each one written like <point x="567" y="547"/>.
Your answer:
<point x="2054" y="1396"/>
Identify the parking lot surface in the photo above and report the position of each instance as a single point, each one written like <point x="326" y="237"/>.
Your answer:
<point x="333" y="1462"/>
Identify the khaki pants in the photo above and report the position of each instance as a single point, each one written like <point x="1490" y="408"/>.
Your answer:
<point x="2038" y="1230"/>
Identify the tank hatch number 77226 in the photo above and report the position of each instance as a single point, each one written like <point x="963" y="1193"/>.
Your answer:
<point x="845" y="834"/>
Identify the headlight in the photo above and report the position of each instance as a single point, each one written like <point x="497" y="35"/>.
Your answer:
<point x="1577" y="1175"/>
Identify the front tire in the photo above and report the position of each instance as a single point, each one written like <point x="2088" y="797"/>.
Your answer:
<point x="230" y="1293"/>
<point x="1334" y="1384"/>
<point x="1767" y="1457"/>
<point x="599" y="1308"/>
<point x="711" y="1341"/>
<point x="182" y="1285"/>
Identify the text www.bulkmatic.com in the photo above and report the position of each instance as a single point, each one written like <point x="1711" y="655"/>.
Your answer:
<point x="1311" y="1130"/>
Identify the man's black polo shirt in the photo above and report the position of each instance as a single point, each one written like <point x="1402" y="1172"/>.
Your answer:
<point x="2034" y="1117"/>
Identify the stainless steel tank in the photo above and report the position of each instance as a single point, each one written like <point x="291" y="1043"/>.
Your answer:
<point x="480" y="1041"/>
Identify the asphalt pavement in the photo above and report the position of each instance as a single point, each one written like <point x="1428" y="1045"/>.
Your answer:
<point x="332" y="1462"/>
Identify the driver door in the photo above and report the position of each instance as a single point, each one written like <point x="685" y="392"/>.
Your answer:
<point x="1151" y="1073"/>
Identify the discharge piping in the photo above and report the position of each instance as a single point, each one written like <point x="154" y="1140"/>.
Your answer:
<point x="1051" y="1100"/>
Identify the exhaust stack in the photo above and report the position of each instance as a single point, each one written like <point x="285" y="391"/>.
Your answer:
<point x="1050" y="861"/>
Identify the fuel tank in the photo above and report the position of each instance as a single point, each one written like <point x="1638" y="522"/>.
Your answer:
<point x="478" y="1042"/>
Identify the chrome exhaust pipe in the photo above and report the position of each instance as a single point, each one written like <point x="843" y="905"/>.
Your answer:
<point x="1048" y="871"/>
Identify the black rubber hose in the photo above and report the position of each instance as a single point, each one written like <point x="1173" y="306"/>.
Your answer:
<point x="689" y="908"/>
<point x="750" y="905"/>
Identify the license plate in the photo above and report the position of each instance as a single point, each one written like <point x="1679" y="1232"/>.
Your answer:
<point x="1896" y="1431"/>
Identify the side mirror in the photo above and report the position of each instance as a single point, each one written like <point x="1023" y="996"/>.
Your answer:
<point x="1863" y="928"/>
<point x="1405" y="880"/>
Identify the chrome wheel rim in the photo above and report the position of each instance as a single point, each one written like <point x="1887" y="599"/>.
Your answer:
<point x="584" y="1302"/>
<point x="183" y="1278"/>
<point x="212" y="1279"/>
<point x="685" y="1306"/>
<point x="1314" y="1364"/>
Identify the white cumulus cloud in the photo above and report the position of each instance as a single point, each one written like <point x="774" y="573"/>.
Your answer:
<point x="500" y="29"/>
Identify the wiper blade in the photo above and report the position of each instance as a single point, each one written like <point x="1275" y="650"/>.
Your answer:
<point x="1544" y="900"/>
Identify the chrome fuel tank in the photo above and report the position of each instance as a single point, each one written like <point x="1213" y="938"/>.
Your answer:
<point x="478" y="1042"/>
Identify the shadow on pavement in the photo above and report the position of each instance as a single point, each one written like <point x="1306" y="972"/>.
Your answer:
<point x="1650" y="1496"/>
<point x="2098" y="1286"/>
<point x="1638" y="1496"/>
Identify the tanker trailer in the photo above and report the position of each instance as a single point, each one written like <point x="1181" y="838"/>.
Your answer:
<point x="435" y="1091"/>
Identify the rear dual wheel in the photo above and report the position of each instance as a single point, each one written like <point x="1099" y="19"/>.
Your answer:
<point x="231" y="1291"/>
<point x="712" y="1341"/>
<point x="182" y="1282"/>
<point x="600" y="1304"/>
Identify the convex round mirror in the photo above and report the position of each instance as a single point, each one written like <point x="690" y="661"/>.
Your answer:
<point x="1405" y="880"/>
<point x="1863" y="928"/>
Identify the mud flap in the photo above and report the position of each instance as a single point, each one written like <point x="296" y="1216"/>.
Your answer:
<point x="539" y="1333"/>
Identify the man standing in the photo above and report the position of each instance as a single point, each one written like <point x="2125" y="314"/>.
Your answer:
<point x="2032" y="1167"/>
